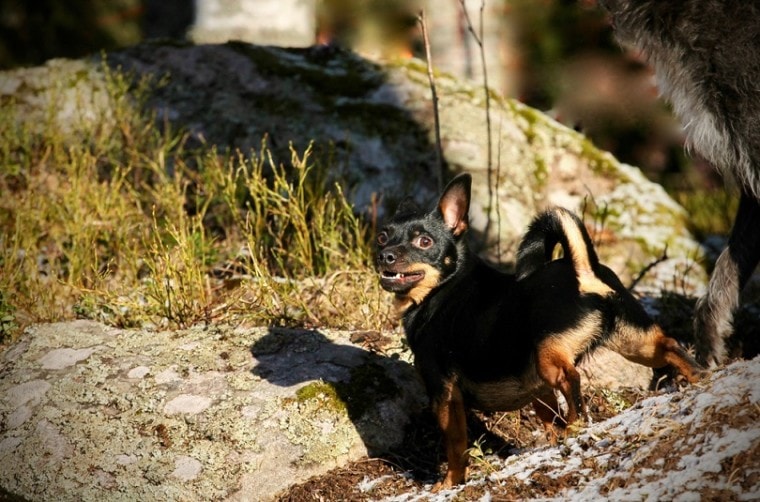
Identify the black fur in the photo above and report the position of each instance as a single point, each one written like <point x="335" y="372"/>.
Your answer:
<point x="497" y="341"/>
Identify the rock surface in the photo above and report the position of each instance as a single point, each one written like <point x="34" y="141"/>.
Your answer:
<point x="94" y="413"/>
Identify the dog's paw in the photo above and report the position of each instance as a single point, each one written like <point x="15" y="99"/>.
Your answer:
<point x="444" y="484"/>
<point x="441" y="485"/>
<point x="451" y="479"/>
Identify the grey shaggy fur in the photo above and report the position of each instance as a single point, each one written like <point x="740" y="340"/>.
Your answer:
<point x="706" y="55"/>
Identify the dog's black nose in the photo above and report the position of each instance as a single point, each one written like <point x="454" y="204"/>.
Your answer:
<point x="387" y="257"/>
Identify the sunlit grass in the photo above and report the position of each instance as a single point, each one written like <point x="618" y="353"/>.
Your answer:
<point x="127" y="225"/>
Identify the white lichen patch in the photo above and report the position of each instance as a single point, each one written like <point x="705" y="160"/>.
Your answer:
<point x="186" y="468"/>
<point x="9" y="444"/>
<point x="63" y="358"/>
<point x="27" y="392"/>
<point x="188" y="404"/>
<point x="52" y="443"/>
<point x="138" y="372"/>
<point x="18" y="417"/>
<point x="166" y="376"/>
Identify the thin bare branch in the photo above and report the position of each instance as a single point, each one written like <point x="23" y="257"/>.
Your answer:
<point x="650" y="266"/>
<point x="479" y="39"/>
<point x="436" y="120"/>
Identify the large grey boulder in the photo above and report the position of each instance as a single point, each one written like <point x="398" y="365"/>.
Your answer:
<point x="95" y="413"/>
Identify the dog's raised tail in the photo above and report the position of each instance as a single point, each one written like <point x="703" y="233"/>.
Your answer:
<point x="560" y="226"/>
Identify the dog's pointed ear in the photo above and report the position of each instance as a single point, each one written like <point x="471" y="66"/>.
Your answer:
<point x="455" y="204"/>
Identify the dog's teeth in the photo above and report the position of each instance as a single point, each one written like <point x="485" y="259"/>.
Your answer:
<point x="396" y="275"/>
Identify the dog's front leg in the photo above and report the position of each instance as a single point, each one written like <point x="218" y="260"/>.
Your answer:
<point x="449" y="410"/>
<point x="715" y="310"/>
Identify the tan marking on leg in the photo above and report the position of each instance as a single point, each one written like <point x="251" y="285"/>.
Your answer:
<point x="556" y="368"/>
<point x="449" y="411"/>
<point x="652" y="348"/>
<point x="556" y="357"/>
<point x="677" y="357"/>
<point x="547" y="410"/>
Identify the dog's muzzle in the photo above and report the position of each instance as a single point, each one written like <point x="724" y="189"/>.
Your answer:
<point x="395" y="275"/>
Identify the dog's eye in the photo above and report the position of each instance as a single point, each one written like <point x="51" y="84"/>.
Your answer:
<point x="382" y="238"/>
<point x="423" y="242"/>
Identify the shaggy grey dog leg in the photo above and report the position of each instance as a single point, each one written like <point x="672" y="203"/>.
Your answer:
<point x="715" y="311"/>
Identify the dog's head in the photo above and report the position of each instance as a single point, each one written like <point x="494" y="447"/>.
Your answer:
<point x="417" y="250"/>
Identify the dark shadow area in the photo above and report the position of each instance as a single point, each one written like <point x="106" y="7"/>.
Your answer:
<point x="6" y="496"/>
<point x="361" y="380"/>
<point x="33" y="32"/>
<point x="167" y="18"/>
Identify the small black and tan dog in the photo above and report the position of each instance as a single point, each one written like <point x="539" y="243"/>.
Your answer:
<point x="494" y="341"/>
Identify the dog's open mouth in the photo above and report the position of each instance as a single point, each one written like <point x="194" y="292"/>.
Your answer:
<point x="399" y="281"/>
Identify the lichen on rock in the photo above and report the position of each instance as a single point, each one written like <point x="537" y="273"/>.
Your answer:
<point x="152" y="415"/>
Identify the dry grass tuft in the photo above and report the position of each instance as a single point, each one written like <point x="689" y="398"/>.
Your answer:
<point x="128" y="225"/>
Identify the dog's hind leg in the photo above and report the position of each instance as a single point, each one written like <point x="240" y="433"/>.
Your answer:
<point x="450" y="412"/>
<point x="547" y="410"/>
<point x="715" y="310"/>
<point x="650" y="347"/>
<point x="556" y="368"/>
